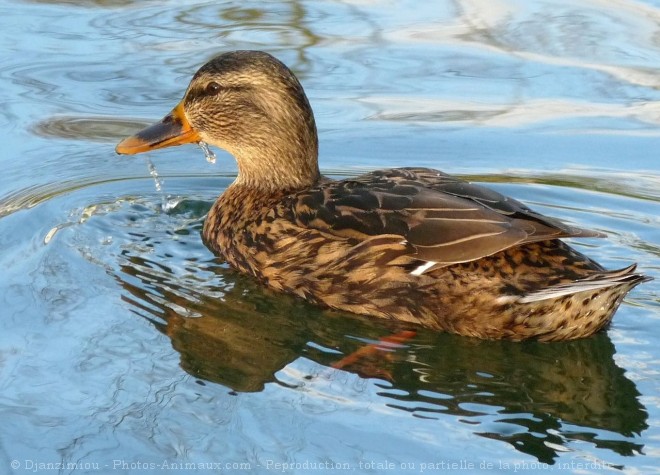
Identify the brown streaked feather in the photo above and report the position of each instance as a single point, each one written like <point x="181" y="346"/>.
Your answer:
<point x="443" y="219"/>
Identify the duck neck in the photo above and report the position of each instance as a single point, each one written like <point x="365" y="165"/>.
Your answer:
<point x="278" y="170"/>
<point x="282" y="156"/>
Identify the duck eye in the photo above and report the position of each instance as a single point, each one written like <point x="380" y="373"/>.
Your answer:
<point x="212" y="88"/>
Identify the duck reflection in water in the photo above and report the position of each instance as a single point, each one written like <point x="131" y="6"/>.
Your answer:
<point x="537" y="397"/>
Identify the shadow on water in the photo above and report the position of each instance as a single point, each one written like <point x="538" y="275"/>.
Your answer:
<point x="536" y="397"/>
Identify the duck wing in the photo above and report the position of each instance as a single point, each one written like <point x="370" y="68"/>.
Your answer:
<point x="441" y="219"/>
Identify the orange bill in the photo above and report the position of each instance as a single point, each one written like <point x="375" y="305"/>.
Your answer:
<point x="174" y="129"/>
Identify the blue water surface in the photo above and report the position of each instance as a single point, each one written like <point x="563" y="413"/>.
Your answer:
<point x="126" y="347"/>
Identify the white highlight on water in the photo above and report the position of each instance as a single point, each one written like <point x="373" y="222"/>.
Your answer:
<point x="51" y="234"/>
<point x="210" y="156"/>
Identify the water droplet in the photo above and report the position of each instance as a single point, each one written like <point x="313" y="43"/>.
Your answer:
<point x="210" y="156"/>
<point x="170" y="203"/>
<point x="167" y="203"/>
<point x="154" y="174"/>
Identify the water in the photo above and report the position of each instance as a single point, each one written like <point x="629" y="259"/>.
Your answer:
<point x="208" y="153"/>
<point x="125" y="343"/>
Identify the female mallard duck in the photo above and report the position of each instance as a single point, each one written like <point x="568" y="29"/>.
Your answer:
<point x="410" y="244"/>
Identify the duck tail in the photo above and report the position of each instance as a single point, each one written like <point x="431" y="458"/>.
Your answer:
<point x="625" y="278"/>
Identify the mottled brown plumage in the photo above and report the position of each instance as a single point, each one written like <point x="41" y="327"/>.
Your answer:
<point x="409" y="244"/>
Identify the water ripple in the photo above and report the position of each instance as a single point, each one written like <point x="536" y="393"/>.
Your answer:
<point x="156" y="349"/>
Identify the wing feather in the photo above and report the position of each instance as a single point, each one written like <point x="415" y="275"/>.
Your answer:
<point x="442" y="219"/>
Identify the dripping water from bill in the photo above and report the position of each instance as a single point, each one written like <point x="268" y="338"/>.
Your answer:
<point x="168" y="202"/>
<point x="208" y="153"/>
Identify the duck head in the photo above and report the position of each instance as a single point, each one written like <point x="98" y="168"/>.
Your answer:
<point x="251" y="105"/>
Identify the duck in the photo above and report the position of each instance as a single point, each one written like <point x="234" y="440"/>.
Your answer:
<point x="412" y="245"/>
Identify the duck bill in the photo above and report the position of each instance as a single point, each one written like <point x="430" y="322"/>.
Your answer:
<point x="174" y="129"/>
